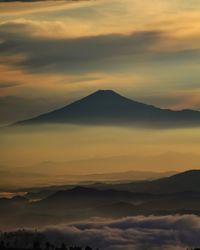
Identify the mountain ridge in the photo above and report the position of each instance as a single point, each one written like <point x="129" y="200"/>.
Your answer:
<point x="83" y="202"/>
<point x="106" y="107"/>
<point x="180" y="182"/>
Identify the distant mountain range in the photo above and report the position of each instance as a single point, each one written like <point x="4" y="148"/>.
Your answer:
<point x="106" y="107"/>
<point x="181" y="182"/>
<point x="93" y="180"/>
<point x="179" y="193"/>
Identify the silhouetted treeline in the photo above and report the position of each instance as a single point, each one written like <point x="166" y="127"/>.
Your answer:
<point x="194" y="249"/>
<point x="48" y="246"/>
<point x="29" y="240"/>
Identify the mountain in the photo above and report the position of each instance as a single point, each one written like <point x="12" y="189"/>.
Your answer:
<point x="109" y="108"/>
<point x="180" y="191"/>
<point x="182" y="182"/>
<point x="39" y="193"/>
<point x="85" y="196"/>
<point x="164" y="183"/>
<point x="178" y="194"/>
<point x="84" y="202"/>
<point x="12" y="205"/>
<point x="127" y="176"/>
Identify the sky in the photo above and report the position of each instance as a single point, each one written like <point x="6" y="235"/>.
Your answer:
<point x="55" y="52"/>
<point x="52" y="53"/>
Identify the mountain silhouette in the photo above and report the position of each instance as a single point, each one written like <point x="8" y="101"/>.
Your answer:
<point x="187" y="181"/>
<point x="106" y="107"/>
<point x="80" y="196"/>
<point x="178" y="194"/>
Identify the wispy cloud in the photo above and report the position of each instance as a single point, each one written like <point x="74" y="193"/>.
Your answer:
<point x="8" y="84"/>
<point x="14" y="107"/>
<point x="91" y="53"/>
<point x="84" y="54"/>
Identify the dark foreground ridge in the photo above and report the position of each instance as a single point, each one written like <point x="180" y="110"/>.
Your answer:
<point x="106" y="107"/>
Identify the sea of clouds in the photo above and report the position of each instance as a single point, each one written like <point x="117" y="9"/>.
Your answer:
<point x="140" y="232"/>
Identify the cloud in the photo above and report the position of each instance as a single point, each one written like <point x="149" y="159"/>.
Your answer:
<point x="8" y="84"/>
<point x="158" y="44"/>
<point x="153" y="232"/>
<point x="96" y="53"/>
<point x="27" y="1"/>
<point x="13" y="108"/>
<point x="73" y="54"/>
<point x="177" y="100"/>
<point x="164" y="232"/>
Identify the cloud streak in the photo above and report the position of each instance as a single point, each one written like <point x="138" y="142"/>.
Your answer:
<point x="23" y="107"/>
<point x="8" y="84"/>
<point x="98" y="53"/>
<point x="73" y="54"/>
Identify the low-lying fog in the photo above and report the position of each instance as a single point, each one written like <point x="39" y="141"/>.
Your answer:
<point x="152" y="232"/>
<point x="56" y="154"/>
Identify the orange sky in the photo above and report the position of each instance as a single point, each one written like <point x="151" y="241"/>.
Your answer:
<point x="49" y="50"/>
<point x="52" y="53"/>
